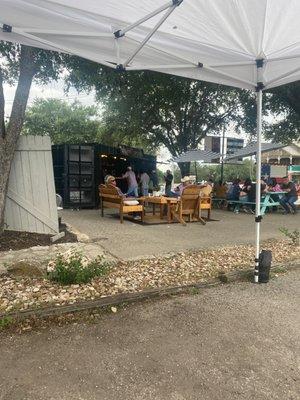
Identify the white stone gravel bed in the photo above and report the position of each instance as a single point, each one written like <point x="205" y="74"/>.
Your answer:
<point x="19" y="293"/>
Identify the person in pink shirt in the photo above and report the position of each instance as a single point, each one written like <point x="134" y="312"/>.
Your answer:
<point x="274" y="186"/>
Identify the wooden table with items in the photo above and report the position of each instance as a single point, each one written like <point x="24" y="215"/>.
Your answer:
<point x="162" y="201"/>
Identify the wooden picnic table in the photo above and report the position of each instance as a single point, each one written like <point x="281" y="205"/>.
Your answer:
<point x="161" y="201"/>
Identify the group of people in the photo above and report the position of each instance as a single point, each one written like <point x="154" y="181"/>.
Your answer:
<point x="245" y="191"/>
<point x="185" y="181"/>
<point x="136" y="185"/>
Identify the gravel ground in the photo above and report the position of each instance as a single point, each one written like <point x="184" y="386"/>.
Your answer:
<point x="185" y="268"/>
<point x="231" y="342"/>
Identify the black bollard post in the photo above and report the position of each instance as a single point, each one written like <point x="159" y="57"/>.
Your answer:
<point x="265" y="260"/>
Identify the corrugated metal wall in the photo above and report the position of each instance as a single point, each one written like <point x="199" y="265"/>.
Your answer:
<point x="31" y="202"/>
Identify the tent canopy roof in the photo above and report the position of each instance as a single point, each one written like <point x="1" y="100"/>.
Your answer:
<point x="198" y="155"/>
<point x="220" y="41"/>
<point x="251" y="150"/>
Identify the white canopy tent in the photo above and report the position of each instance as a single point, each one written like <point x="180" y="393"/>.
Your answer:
<point x="250" y="44"/>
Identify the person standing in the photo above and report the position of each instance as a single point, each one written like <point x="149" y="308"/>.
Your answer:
<point x="131" y="182"/>
<point x="168" y="179"/>
<point x="144" y="181"/>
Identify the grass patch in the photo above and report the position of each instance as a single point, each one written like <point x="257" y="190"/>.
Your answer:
<point x="278" y="270"/>
<point x="5" y="322"/>
<point x="193" y="291"/>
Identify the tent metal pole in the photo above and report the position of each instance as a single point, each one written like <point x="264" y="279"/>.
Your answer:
<point x="223" y="155"/>
<point x="258" y="184"/>
<point x="144" y="19"/>
<point x="150" y="34"/>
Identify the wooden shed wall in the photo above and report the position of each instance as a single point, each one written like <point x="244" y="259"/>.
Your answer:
<point x="31" y="202"/>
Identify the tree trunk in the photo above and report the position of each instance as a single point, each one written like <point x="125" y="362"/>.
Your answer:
<point x="9" y="138"/>
<point x="185" y="168"/>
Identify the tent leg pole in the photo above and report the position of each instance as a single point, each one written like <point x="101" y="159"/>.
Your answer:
<point x="258" y="184"/>
<point x="196" y="171"/>
<point x="223" y="155"/>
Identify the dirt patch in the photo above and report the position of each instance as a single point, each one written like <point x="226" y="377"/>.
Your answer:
<point x="14" y="240"/>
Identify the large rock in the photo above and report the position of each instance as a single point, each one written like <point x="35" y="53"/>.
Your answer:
<point x="25" y="268"/>
<point x="35" y="259"/>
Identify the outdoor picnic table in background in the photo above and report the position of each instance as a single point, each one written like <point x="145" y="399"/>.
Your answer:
<point x="268" y="200"/>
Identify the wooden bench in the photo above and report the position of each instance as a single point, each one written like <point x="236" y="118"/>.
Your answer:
<point x="110" y="198"/>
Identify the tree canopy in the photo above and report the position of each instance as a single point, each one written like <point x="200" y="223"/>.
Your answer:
<point x="162" y="109"/>
<point x="284" y="104"/>
<point x="281" y="110"/>
<point x="63" y="122"/>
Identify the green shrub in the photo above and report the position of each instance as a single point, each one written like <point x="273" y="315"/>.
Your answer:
<point x="74" y="268"/>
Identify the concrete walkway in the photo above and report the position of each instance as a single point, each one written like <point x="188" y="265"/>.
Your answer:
<point x="230" y="342"/>
<point x="133" y="240"/>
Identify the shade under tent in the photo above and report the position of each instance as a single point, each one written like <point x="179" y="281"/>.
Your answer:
<point x="252" y="45"/>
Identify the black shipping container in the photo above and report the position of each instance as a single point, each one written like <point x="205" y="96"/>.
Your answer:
<point x="80" y="169"/>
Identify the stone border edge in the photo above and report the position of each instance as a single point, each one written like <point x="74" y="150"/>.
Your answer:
<point x="230" y="277"/>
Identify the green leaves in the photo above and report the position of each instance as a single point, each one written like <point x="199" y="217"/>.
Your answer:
<point x="284" y="104"/>
<point x="48" y="64"/>
<point x="157" y="109"/>
<point x="63" y="122"/>
<point x="281" y="109"/>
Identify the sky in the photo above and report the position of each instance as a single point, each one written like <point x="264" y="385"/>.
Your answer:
<point x="51" y="90"/>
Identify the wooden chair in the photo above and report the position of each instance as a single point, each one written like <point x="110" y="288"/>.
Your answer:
<point x="188" y="205"/>
<point x="110" y="198"/>
<point x="205" y="202"/>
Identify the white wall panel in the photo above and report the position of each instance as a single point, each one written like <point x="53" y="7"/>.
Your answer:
<point x="31" y="203"/>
